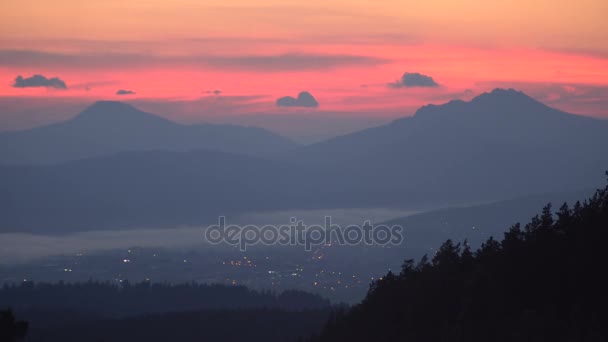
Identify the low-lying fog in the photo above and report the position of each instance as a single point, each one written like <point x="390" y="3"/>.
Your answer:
<point x="19" y="247"/>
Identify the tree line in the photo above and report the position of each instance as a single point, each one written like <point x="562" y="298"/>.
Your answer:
<point x="544" y="281"/>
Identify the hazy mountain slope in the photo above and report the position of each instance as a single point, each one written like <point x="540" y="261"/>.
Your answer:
<point x="111" y="127"/>
<point x="135" y="189"/>
<point x="424" y="232"/>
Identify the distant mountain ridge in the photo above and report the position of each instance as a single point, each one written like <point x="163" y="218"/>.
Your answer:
<point x="500" y="145"/>
<point x="109" y="127"/>
<point x="500" y="115"/>
<point x="465" y="147"/>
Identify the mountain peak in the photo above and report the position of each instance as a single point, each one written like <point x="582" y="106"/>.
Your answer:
<point x="501" y="96"/>
<point x="109" y="107"/>
<point x="506" y="92"/>
<point x="114" y="112"/>
<point x="497" y="103"/>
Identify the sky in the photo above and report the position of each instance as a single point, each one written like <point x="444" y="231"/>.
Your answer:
<point x="365" y="62"/>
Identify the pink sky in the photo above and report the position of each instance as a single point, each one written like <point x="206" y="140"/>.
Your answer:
<point x="170" y="54"/>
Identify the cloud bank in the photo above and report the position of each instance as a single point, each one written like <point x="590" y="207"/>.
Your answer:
<point x="414" y="79"/>
<point x="257" y="63"/>
<point x="305" y="99"/>
<point x="39" y="81"/>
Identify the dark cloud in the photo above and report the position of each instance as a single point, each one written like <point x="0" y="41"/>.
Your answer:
<point x="259" y="63"/>
<point x="38" y="81"/>
<point x="125" y="92"/>
<point x="414" y="79"/>
<point x="214" y="92"/>
<point x="305" y="99"/>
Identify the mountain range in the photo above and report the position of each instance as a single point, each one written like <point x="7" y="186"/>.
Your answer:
<point x="502" y="144"/>
<point x="108" y="127"/>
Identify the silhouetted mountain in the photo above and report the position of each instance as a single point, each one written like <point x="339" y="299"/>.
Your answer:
<point x="501" y="144"/>
<point x="542" y="282"/>
<point x="109" y="127"/>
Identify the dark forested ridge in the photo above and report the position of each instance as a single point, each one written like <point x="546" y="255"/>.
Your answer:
<point x="267" y="325"/>
<point x="145" y="311"/>
<point x="10" y="328"/>
<point x="544" y="281"/>
<point x="104" y="299"/>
